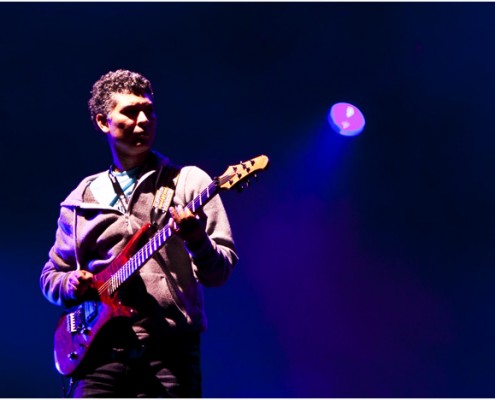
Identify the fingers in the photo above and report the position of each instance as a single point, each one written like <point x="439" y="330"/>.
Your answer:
<point x="183" y="219"/>
<point x="180" y="213"/>
<point x="84" y="276"/>
<point x="78" y="283"/>
<point x="188" y="226"/>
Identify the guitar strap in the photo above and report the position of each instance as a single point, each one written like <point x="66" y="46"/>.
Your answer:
<point x="164" y="195"/>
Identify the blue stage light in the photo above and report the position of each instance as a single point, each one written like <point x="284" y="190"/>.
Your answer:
<point x="346" y="119"/>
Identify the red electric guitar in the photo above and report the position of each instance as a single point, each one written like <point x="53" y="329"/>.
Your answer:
<point x="78" y="326"/>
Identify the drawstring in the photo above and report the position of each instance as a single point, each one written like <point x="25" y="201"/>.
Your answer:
<point x="76" y="256"/>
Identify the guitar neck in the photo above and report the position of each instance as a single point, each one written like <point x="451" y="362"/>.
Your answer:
<point x="155" y="243"/>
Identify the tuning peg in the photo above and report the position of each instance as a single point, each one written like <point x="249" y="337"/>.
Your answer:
<point x="245" y="166"/>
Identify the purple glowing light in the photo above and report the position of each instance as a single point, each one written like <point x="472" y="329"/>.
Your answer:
<point x="346" y="119"/>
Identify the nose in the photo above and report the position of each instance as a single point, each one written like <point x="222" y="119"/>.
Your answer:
<point x="142" y="118"/>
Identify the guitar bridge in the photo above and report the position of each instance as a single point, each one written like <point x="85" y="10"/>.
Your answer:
<point x="78" y="319"/>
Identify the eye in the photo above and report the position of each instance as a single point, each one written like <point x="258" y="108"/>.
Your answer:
<point x="149" y="111"/>
<point x="133" y="112"/>
<point x="130" y="112"/>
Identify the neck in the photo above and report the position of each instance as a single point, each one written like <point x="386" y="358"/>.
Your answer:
<point x="125" y="163"/>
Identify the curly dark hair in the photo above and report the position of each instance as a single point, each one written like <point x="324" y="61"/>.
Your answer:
<point x="119" y="81"/>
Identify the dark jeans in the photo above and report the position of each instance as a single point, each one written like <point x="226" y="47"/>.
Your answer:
<point x="168" y="369"/>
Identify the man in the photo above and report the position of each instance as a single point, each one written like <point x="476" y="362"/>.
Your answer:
<point x="156" y="353"/>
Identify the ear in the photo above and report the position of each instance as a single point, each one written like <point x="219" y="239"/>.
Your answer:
<point x="102" y="122"/>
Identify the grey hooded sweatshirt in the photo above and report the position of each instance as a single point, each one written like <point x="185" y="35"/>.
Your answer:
<point x="167" y="291"/>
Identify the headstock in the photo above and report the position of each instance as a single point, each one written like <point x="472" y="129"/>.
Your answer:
<point x="235" y="175"/>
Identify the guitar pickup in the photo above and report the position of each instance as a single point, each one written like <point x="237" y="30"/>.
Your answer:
<point x="83" y="314"/>
<point x="90" y="310"/>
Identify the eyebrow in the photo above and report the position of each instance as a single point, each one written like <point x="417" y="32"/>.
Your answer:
<point x="138" y="106"/>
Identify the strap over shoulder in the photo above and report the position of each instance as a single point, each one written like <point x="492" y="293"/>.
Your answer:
<point x="164" y="194"/>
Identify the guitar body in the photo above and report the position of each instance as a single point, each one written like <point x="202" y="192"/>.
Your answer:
<point x="78" y="327"/>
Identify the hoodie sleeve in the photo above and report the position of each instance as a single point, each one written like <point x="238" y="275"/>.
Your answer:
<point x="61" y="260"/>
<point x="215" y="258"/>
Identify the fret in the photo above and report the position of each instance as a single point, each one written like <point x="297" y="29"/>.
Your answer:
<point x="130" y="268"/>
<point x="131" y="263"/>
<point x="113" y="285"/>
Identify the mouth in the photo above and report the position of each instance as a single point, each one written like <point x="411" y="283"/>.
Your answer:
<point x="141" y="139"/>
<point x="141" y="133"/>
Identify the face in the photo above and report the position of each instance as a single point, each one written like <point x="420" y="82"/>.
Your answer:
<point x="130" y="126"/>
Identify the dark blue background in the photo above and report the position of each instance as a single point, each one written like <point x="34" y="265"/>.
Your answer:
<point x="367" y="263"/>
